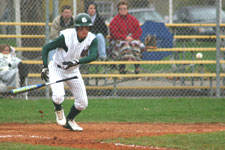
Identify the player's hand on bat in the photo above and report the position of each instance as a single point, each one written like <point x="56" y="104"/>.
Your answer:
<point x="69" y="64"/>
<point x="44" y="74"/>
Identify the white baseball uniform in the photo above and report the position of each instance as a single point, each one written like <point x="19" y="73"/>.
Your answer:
<point x="57" y="69"/>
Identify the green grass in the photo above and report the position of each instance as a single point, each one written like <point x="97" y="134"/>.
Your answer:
<point x="191" y="141"/>
<point x="161" y="110"/>
<point x="195" y="44"/>
<point x="20" y="146"/>
<point x="172" y="110"/>
<point x="11" y="42"/>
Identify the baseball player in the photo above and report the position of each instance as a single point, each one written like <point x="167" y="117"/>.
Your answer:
<point x="72" y="45"/>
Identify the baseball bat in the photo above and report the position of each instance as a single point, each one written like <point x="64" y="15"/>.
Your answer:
<point x="37" y="86"/>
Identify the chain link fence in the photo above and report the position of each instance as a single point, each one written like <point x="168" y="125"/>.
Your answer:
<point x="171" y="69"/>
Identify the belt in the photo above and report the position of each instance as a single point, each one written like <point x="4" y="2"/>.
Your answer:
<point x="62" y="67"/>
<point x="59" y="66"/>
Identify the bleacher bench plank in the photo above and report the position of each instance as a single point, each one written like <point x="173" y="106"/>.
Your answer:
<point x="177" y="49"/>
<point x="205" y="75"/>
<point x="140" y="62"/>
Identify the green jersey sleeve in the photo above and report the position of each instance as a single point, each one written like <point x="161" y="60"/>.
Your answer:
<point x="57" y="43"/>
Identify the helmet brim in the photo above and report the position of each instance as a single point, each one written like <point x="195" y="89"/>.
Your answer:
<point x="84" y="25"/>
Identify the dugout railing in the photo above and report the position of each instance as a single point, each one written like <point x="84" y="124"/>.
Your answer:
<point x="151" y="75"/>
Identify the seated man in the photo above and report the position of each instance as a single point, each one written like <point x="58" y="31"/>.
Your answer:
<point x="125" y="33"/>
<point x="12" y="70"/>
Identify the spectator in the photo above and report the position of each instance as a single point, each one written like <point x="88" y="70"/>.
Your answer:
<point x="12" y="70"/>
<point x="99" y="28"/>
<point x="125" y="32"/>
<point x="61" y="22"/>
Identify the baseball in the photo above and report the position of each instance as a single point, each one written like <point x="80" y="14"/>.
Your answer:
<point x="199" y="55"/>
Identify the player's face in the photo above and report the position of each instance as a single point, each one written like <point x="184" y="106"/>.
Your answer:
<point x="91" y="10"/>
<point x="82" y="32"/>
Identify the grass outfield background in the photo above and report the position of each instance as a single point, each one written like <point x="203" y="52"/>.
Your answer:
<point x="162" y="110"/>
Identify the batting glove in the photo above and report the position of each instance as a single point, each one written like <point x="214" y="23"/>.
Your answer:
<point x="69" y="64"/>
<point x="44" y="74"/>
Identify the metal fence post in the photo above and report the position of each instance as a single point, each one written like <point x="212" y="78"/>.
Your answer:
<point x="218" y="8"/>
<point x="55" y="8"/>
<point x="74" y="7"/>
<point x="47" y="34"/>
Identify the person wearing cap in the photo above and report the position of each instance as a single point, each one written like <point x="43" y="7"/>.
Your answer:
<point x="73" y="47"/>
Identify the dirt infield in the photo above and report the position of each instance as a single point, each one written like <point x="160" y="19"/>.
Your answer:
<point x="94" y="133"/>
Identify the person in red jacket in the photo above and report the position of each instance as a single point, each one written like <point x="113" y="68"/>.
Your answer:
<point x="125" y="32"/>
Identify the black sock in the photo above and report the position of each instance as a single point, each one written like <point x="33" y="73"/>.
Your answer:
<point x="57" y="106"/>
<point x="73" y="113"/>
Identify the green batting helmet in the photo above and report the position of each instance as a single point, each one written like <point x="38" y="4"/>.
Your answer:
<point x="83" y="19"/>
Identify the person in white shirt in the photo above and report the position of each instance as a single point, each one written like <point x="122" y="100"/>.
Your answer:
<point x="12" y="70"/>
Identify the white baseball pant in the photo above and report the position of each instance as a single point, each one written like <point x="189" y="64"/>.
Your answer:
<point x="76" y="86"/>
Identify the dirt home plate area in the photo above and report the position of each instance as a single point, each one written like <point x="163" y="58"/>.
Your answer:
<point x="95" y="133"/>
